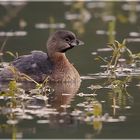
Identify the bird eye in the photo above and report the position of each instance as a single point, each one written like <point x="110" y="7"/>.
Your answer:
<point x="67" y="39"/>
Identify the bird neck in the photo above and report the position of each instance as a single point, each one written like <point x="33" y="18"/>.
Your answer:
<point x="59" y="58"/>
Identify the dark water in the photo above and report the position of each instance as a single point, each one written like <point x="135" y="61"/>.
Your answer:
<point x="71" y="110"/>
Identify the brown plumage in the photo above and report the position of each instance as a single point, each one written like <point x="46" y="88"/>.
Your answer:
<point x="53" y="64"/>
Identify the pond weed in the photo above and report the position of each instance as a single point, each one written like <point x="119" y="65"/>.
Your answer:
<point x="117" y="75"/>
<point x="118" y="50"/>
<point x="122" y="61"/>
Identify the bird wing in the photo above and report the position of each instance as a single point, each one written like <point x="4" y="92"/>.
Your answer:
<point x="35" y="63"/>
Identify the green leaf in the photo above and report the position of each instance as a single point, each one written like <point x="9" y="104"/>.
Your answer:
<point x="97" y="109"/>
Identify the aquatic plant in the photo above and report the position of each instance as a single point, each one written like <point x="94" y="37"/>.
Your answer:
<point x="16" y="55"/>
<point x="111" y="31"/>
<point x="118" y="73"/>
<point x="120" y="53"/>
<point x="18" y="76"/>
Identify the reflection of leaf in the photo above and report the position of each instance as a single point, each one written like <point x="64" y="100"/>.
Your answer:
<point x="97" y="124"/>
<point x="117" y="90"/>
<point x="119" y="95"/>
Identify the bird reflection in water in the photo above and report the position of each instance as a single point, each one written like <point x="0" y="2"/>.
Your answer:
<point x="53" y="111"/>
<point x="61" y="100"/>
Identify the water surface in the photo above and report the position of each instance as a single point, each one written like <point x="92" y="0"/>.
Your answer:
<point x="71" y="110"/>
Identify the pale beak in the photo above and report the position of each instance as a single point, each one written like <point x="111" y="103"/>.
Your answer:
<point x="76" y="42"/>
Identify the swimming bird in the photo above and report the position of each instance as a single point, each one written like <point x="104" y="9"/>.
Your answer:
<point x="52" y="64"/>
